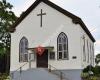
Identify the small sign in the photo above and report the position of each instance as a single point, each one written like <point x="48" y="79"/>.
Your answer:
<point x="74" y="57"/>
<point x="31" y="56"/>
<point x="40" y="50"/>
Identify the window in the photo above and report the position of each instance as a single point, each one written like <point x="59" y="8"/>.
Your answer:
<point x="62" y="46"/>
<point x="84" y="50"/>
<point x="31" y="56"/>
<point x="88" y="51"/>
<point x="93" y="54"/>
<point x="52" y="56"/>
<point x="23" y="52"/>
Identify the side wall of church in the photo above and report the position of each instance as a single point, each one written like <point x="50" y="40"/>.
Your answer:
<point x="89" y="49"/>
<point x="54" y="23"/>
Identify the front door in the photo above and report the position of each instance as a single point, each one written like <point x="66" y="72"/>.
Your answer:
<point x="42" y="60"/>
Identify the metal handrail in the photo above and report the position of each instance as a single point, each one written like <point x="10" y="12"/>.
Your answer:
<point x="61" y="73"/>
<point x="20" y="67"/>
<point x="50" y="70"/>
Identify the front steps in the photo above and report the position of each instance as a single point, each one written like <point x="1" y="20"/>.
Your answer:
<point x="36" y="74"/>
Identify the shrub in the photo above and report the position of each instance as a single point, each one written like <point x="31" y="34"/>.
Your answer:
<point x="4" y="76"/>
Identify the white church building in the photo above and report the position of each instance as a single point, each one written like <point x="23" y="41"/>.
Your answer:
<point x="49" y="43"/>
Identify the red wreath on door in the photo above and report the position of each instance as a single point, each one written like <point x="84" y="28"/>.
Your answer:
<point x="40" y="50"/>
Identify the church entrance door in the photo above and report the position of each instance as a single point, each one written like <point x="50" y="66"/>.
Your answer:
<point x="42" y="60"/>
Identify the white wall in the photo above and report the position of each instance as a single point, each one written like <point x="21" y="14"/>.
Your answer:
<point x="54" y="22"/>
<point x="91" y="52"/>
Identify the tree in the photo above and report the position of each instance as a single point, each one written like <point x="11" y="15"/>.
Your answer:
<point x="97" y="59"/>
<point x="7" y="18"/>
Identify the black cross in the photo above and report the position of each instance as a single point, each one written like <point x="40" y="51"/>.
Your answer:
<point x="41" y="14"/>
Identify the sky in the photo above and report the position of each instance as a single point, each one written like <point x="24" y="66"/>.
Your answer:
<point x="87" y="10"/>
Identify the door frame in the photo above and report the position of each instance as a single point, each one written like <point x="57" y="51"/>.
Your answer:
<point x="47" y="59"/>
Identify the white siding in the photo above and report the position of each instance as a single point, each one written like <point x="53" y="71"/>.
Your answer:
<point x="54" y="22"/>
<point x="91" y="53"/>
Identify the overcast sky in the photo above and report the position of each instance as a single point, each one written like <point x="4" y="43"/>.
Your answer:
<point x="87" y="10"/>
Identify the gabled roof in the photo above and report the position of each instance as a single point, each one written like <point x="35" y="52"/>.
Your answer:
<point x="74" y="18"/>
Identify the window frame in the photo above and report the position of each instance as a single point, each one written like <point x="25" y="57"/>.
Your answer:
<point x="88" y="60"/>
<point x="62" y="36"/>
<point x="84" y="49"/>
<point x="23" y="53"/>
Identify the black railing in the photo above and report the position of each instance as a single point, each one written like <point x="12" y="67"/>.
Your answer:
<point x="57" y="72"/>
<point x="19" y="69"/>
<point x="50" y="68"/>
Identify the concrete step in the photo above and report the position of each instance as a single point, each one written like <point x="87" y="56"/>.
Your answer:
<point x="34" y="74"/>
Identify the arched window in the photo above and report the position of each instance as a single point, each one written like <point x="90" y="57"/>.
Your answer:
<point x="62" y="46"/>
<point x="23" y="52"/>
<point x="84" y="49"/>
<point x="91" y="53"/>
<point x="88" y="51"/>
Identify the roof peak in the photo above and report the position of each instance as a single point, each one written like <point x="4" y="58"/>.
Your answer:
<point x="74" y="18"/>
